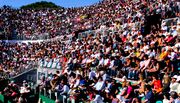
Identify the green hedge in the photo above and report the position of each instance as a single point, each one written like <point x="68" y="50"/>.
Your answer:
<point x="46" y="99"/>
<point x="1" y="98"/>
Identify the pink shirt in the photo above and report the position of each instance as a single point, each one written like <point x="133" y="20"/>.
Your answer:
<point x="129" y="90"/>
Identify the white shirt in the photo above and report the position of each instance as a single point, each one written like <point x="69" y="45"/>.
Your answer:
<point x="111" y="64"/>
<point x="165" y="101"/>
<point x="105" y="76"/>
<point x="101" y="62"/>
<point x="174" y="87"/>
<point x="174" y="33"/>
<point x="91" y="75"/>
<point x="97" y="55"/>
<point x="108" y="86"/>
<point x="173" y="55"/>
<point x="99" y="85"/>
<point x="77" y="83"/>
<point x="24" y="90"/>
<point x="177" y="45"/>
<point x="106" y="61"/>
<point x="65" y="89"/>
<point x="178" y="90"/>
<point x="69" y="61"/>
<point x="98" y="99"/>
<point x="84" y="61"/>
<point x="108" y="49"/>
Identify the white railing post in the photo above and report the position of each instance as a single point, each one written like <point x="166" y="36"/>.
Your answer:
<point x="56" y="95"/>
<point x="40" y="91"/>
<point x="44" y="91"/>
<point x="50" y="94"/>
<point x="64" y="98"/>
<point x="34" y="90"/>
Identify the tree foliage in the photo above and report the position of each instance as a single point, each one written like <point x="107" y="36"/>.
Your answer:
<point x="40" y="5"/>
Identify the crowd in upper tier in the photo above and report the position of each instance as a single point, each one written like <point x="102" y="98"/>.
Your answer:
<point x="49" y="23"/>
<point x="118" y="62"/>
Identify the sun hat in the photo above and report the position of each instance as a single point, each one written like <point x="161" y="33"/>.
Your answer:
<point x="175" y="77"/>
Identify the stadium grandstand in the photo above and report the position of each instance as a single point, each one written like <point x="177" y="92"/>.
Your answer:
<point x="114" y="51"/>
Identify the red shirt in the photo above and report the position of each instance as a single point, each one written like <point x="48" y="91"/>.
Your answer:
<point x="157" y="84"/>
<point x="123" y="39"/>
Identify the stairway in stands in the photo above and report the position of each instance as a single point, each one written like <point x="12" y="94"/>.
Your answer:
<point x="14" y="35"/>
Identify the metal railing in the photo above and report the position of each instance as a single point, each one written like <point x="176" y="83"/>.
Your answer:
<point x="30" y="66"/>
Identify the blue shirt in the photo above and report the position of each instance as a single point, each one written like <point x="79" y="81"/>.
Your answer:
<point x="149" y="96"/>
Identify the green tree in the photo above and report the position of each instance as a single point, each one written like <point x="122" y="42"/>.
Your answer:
<point x="41" y="5"/>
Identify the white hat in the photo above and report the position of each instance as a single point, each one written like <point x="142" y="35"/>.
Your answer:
<point x="175" y="76"/>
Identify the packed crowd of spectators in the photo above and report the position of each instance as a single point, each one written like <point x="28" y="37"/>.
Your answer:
<point x="32" y="24"/>
<point x="97" y="60"/>
<point x="15" y="59"/>
<point x="116" y="63"/>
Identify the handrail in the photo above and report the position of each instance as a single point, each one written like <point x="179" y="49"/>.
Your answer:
<point x="26" y="71"/>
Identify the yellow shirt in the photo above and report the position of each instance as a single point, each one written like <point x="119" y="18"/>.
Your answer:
<point x="163" y="55"/>
<point x="137" y="54"/>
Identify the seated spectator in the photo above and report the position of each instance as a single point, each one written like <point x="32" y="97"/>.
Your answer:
<point x="154" y="67"/>
<point x="156" y="83"/>
<point x="174" y="84"/>
<point x="100" y="85"/>
<point x="166" y="98"/>
<point x="114" y="99"/>
<point x="140" y="85"/>
<point x="97" y="98"/>
<point x="166" y="83"/>
<point x="174" y="97"/>
<point x="65" y="88"/>
<point x="54" y="82"/>
<point x="128" y="93"/>
<point x="149" y="95"/>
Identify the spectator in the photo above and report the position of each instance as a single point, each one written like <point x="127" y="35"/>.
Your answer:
<point x="149" y="95"/>
<point x="174" y="84"/>
<point x="128" y="94"/>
